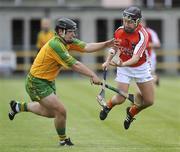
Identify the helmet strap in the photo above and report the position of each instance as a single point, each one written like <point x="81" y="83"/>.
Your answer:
<point x="137" y="22"/>
<point x="63" y="33"/>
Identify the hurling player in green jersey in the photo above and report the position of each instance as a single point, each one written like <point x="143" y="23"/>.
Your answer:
<point x="50" y="59"/>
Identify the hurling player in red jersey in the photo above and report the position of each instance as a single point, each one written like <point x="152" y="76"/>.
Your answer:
<point x="132" y="65"/>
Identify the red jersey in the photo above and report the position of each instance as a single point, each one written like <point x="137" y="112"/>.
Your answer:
<point x="132" y="43"/>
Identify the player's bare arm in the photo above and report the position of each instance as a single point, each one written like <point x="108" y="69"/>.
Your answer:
<point x="81" y="68"/>
<point x="93" y="47"/>
<point x="133" y="60"/>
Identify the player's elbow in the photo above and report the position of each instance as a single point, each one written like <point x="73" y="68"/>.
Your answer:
<point x="75" y="65"/>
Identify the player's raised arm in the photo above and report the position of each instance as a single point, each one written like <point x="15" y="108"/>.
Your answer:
<point x="93" y="47"/>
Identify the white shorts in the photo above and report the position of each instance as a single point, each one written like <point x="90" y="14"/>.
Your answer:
<point x="140" y="74"/>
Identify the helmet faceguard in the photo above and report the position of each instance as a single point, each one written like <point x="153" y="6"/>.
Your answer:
<point x="66" y="24"/>
<point x="132" y="15"/>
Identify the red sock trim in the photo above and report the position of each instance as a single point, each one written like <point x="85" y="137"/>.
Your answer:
<point x="134" y="110"/>
<point x="110" y="104"/>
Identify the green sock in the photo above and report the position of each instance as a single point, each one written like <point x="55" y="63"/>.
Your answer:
<point x="21" y="106"/>
<point x="61" y="133"/>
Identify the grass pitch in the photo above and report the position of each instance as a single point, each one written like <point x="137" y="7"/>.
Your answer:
<point x="156" y="129"/>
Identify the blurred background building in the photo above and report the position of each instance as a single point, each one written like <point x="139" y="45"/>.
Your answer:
<point x="97" y="20"/>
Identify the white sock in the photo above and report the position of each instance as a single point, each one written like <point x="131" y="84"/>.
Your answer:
<point x="17" y="107"/>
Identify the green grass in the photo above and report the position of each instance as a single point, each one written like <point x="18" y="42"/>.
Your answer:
<point x="156" y="129"/>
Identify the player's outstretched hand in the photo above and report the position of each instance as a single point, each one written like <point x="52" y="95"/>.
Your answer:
<point x="95" y="80"/>
<point x="112" y="43"/>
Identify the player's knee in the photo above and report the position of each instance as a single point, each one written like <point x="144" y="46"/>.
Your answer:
<point x="119" y="99"/>
<point x="148" y="103"/>
<point x="60" y="112"/>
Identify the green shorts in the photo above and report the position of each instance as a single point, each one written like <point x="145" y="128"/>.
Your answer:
<point x="39" y="88"/>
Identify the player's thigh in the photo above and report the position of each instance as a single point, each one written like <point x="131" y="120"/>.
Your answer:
<point x="123" y="86"/>
<point x="147" y="91"/>
<point x="123" y="78"/>
<point x="53" y="104"/>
